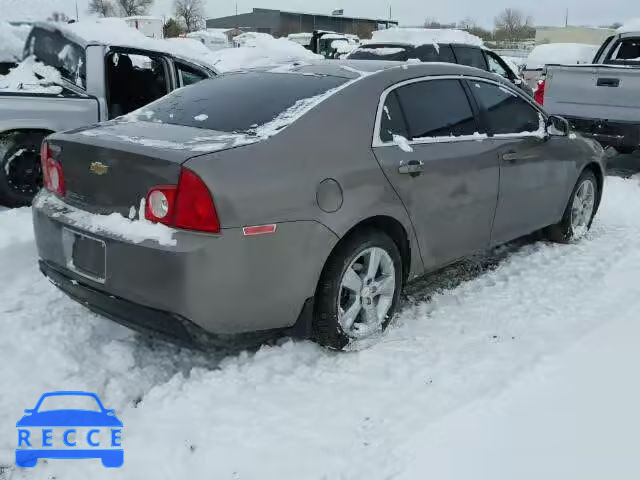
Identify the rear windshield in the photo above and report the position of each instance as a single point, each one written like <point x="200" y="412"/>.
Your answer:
<point x="54" y="49"/>
<point x="237" y="102"/>
<point x="380" y="52"/>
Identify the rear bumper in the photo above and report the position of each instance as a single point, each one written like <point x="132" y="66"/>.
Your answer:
<point x="615" y="134"/>
<point x="225" y="284"/>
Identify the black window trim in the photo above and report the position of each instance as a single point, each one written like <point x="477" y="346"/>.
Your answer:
<point x="614" y="47"/>
<point x="480" y="120"/>
<point x="486" y="126"/>
<point x="499" y="60"/>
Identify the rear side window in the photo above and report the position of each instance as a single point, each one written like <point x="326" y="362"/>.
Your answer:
<point x="436" y="108"/>
<point x="188" y="75"/>
<point x="433" y="53"/>
<point x="237" y="102"/>
<point x="471" y="57"/>
<point x="392" y="121"/>
<point x="506" y="112"/>
<point x="54" y="49"/>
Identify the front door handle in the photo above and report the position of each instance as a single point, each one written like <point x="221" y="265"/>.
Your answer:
<point x="510" y="157"/>
<point x="608" y="82"/>
<point x="413" y="168"/>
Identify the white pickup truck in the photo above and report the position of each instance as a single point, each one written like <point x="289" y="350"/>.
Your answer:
<point x="94" y="81"/>
<point x="600" y="100"/>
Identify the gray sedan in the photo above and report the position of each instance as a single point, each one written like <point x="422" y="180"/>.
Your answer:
<point x="302" y="198"/>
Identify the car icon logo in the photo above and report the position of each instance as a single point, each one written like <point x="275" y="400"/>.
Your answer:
<point x="47" y="431"/>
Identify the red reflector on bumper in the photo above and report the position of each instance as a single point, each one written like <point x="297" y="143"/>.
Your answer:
<point x="258" y="230"/>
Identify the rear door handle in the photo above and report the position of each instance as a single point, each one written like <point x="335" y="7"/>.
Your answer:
<point x="413" y="168"/>
<point x="608" y="82"/>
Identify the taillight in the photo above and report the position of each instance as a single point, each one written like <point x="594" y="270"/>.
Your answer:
<point x="188" y="205"/>
<point x="52" y="173"/>
<point x="538" y="94"/>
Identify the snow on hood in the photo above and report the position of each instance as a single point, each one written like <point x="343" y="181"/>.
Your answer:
<point x="563" y="53"/>
<point x="12" y="39"/>
<point x="424" y="36"/>
<point x="32" y="77"/>
<point x="632" y="25"/>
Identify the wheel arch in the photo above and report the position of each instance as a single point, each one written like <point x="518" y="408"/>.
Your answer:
<point x="599" y="174"/>
<point x="26" y="130"/>
<point x="390" y="226"/>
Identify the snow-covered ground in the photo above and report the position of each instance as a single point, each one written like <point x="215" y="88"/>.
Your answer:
<point x="515" y="364"/>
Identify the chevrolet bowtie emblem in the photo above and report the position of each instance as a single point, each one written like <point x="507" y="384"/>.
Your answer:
<point x="98" y="168"/>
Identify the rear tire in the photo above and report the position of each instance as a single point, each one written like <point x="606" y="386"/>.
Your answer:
<point x="20" y="170"/>
<point x="354" y="291"/>
<point x="579" y="212"/>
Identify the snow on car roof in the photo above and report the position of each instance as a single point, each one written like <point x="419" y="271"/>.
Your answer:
<point x="423" y="36"/>
<point x="630" y="26"/>
<point x="567" y="53"/>
<point x="12" y="38"/>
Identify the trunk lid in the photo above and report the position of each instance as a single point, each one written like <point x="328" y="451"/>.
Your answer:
<point x="110" y="167"/>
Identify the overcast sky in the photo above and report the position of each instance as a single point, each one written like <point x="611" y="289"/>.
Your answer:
<point x="408" y="12"/>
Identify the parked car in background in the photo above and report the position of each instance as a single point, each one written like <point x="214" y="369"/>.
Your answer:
<point x="601" y="100"/>
<point x="417" y="166"/>
<point x="556" y="53"/>
<point x="67" y="82"/>
<point x="452" y="46"/>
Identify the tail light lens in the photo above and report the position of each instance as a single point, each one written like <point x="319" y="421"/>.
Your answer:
<point x="52" y="173"/>
<point x="538" y="94"/>
<point x="188" y="205"/>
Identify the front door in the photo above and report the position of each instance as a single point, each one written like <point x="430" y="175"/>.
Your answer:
<point x="444" y="171"/>
<point x="533" y="172"/>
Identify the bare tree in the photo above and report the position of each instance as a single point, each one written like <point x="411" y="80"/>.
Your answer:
<point x="103" y="8"/>
<point x="130" y="8"/>
<point x="512" y="24"/>
<point x="190" y="12"/>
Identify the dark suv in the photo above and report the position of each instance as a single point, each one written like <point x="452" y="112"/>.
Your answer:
<point x="463" y="54"/>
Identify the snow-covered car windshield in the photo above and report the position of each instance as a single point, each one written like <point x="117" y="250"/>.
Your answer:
<point x="237" y="102"/>
<point x="69" y="402"/>
<point x="54" y="49"/>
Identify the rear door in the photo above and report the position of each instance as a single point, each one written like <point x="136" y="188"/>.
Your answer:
<point x="447" y="176"/>
<point x="533" y="166"/>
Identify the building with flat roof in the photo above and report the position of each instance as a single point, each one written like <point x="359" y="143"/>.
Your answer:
<point x="588" y="35"/>
<point x="281" y="23"/>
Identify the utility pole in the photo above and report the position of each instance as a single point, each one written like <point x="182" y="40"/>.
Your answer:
<point x="77" y="17"/>
<point x="566" y="18"/>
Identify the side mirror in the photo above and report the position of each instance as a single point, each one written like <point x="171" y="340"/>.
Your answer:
<point x="558" y="126"/>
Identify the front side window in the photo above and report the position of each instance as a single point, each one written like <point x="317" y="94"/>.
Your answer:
<point x="506" y="112"/>
<point x="470" y="56"/>
<point x="436" y="108"/>
<point x="54" y="49"/>
<point x="495" y="66"/>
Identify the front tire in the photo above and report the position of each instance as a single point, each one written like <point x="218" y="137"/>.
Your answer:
<point x="358" y="290"/>
<point x="578" y="215"/>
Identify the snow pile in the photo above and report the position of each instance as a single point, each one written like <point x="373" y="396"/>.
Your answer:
<point x="487" y="359"/>
<point x="562" y="53"/>
<point x="424" y="36"/>
<point x="133" y="230"/>
<point x="12" y="39"/>
<point x="632" y="26"/>
<point x="261" y="49"/>
<point x="32" y="77"/>
<point x="15" y="227"/>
